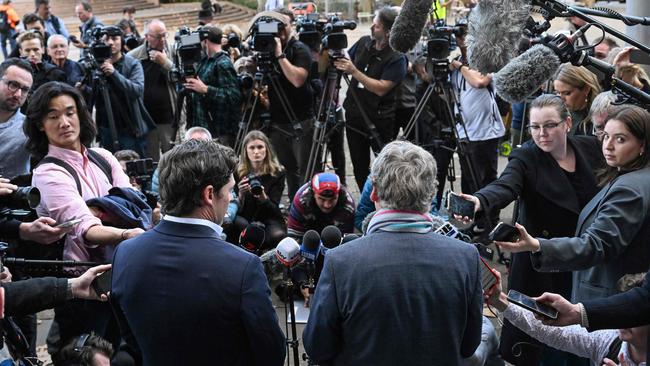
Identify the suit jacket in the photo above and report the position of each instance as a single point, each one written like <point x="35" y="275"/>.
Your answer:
<point x="610" y="241"/>
<point x="183" y="296"/>
<point x="396" y="299"/>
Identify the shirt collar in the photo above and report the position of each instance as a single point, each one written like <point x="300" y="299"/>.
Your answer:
<point x="17" y="115"/>
<point x="194" y="221"/>
<point x="67" y="154"/>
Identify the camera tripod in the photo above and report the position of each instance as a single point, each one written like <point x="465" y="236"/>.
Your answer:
<point x="267" y="76"/>
<point x="98" y="78"/>
<point x="289" y="303"/>
<point x="327" y="116"/>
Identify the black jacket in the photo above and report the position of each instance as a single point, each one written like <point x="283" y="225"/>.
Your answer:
<point x="33" y="295"/>
<point x="548" y="208"/>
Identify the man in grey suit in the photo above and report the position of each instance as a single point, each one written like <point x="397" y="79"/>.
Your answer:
<point x="401" y="294"/>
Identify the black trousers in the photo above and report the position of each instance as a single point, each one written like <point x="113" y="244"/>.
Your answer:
<point x="359" y="144"/>
<point x="292" y="152"/>
<point x="483" y="157"/>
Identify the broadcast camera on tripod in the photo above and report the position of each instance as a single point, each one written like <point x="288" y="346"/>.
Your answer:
<point x="187" y="53"/>
<point x="263" y="34"/>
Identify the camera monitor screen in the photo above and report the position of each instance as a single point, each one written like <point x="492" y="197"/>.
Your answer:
<point x="268" y="27"/>
<point x="190" y="39"/>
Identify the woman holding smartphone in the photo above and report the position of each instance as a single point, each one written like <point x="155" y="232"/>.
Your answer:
<point x="553" y="178"/>
<point x="613" y="228"/>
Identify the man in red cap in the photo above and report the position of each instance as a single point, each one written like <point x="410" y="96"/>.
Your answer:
<point x="322" y="202"/>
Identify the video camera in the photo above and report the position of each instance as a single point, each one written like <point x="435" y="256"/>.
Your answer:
<point x="312" y="31"/>
<point x="142" y="171"/>
<point x="99" y="50"/>
<point x="20" y="204"/>
<point x="188" y="54"/>
<point x="441" y="40"/>
<point x="263" y="34"/>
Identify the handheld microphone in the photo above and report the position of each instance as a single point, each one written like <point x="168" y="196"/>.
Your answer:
<point x="252" y="238"/>
<point x="494" y="29"/>
<point x="310" y="248"/>
<point x="287" y="252"/>
<point x="407" y="29"/>
<point x="524" y="74"/>
<point x="331" y="237"/>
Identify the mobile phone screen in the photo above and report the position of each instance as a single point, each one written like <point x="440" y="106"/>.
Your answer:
<point x="639" y="57"/>
<point x="68" y="223"/>
<point x="460" y="206"/>
<point x="488" y="279"/>
<point x="102" y="283"/>
<point x="526" y="302"/>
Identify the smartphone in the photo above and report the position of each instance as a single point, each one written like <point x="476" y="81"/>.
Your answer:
<point x="639" y="57"/>
<point x="69" y="223"/>
<point x="102" y="283"/>
<point x="504" y="232"/>
<point x="488" y="278"/>
<point x="526" y="302"/>
<point x="456" y="205"/>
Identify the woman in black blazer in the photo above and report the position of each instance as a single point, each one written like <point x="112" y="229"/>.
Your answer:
<point x="553" y="178"/>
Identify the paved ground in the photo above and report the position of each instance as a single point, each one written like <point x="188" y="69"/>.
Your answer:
<point x="506" y="214"/>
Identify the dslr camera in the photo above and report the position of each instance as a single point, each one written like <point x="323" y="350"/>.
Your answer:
<point x="255" y="183"/>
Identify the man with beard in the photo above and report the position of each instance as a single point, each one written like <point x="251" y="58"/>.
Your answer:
<point x="125" y="83"/>
<point x="375" y="69"/>
<point x="15" y="83"/>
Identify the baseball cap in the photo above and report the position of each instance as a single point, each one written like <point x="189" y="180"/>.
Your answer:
<point x="326" y="184"/>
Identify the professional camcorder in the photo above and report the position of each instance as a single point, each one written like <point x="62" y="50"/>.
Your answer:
<point x="188" y="54"/>
<point x="99" y="50"/>
<point x="313" y="31"/>
<point x="142" y="171"/>
<point x="263" y="34"/>
<point x="440" y="42"/>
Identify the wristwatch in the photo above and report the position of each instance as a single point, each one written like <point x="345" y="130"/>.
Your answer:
<point x="282" y="55"/>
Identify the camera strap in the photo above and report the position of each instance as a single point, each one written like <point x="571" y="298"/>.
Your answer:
<point x="93" y="156"/>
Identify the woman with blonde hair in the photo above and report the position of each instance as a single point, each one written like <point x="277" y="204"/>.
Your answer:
<point x="260" y="182"/>
<point x="577" y="87"/>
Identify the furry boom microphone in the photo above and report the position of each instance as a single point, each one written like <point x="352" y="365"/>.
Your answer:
<point x="407" y="29"/>
<point x="495" y="27"/>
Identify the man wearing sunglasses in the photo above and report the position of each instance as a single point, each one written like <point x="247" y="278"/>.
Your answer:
<point x="15" y="84"/>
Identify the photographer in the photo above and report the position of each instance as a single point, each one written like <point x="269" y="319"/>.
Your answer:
<point x="216" y="100"/>
<point x="125" y="83"/>
<point x="159" y="91"/>
<point x="259" y="188"/>
<point x="293" y="61"/>
<point x="376" y="70"/>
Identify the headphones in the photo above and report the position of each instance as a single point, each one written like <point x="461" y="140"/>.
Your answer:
<point x="81" y="342"/>
<point x="210" y="36"/>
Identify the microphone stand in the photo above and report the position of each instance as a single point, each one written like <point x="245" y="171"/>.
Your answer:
<point x="288" y="301"/>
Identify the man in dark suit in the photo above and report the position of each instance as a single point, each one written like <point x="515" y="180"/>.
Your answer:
<point x="182" y="295"/>
<point x="401" y="294"/>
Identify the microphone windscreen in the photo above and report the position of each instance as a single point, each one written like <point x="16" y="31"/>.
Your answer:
<point x="310" y="247"/>
<point x="331" y="236"/>
<point x="494" y="29"/>
<point x="523" y="75"/>
<point x="287" y="252"/>
<point x="348" y="238"/>
<point x="407" y="29"/>
<point x="252" y="238"/>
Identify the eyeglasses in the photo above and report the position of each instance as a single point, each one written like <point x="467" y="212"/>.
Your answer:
<point x="14" y="86"/>
<point x="598" y="130"/>
<point x="546" y="126"/>
<point x="159" y="36"/>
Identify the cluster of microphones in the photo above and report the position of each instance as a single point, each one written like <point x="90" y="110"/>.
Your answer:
<point x="288" y="252"/>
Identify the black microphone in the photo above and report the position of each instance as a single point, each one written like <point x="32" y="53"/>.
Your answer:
<point x="331" y="237"/>
<point x="407" y="29"/>
<point x="310" y="247"/>
<point x="252" y="238"/>
<point x="524" y="74"/>
<point x="494" y="29"/>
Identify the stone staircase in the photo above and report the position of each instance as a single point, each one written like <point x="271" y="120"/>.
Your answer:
<point x="174" y="15"/>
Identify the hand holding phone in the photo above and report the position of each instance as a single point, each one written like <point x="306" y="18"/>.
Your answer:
<point x="488" y="279"/>
<point x="456" y="205"/>
<point x="69" y="223"/>
<point x="526" y="302"/>
<point x="102" y="283"/>
<point x="504" y="232"/>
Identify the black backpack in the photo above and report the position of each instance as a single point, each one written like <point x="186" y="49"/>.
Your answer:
<point x="5" y="27"/>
